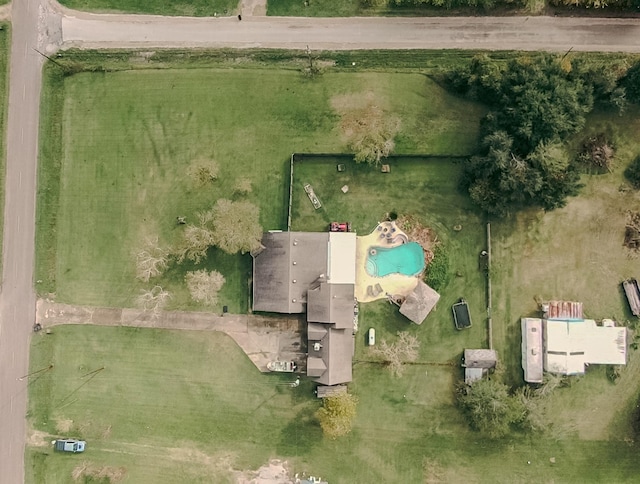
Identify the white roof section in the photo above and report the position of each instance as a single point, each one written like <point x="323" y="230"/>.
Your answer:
<point x="341" y="264"/>
<point x="472" y="374"/>
<point x="532" y="349"/>
<point x="570" y="346"/>
<point x="605" y="345"/>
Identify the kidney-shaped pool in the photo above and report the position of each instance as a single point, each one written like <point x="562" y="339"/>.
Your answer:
<point x="407" y="259"/>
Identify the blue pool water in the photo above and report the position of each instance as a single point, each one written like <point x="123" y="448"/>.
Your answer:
<point x="407" y="259"/>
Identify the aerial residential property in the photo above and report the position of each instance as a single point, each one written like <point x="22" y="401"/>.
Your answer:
<point x="272" y="240"/>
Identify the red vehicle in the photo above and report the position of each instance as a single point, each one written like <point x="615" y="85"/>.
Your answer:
<point x="340" y="227"/>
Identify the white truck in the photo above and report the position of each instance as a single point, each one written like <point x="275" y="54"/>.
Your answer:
<point x="69" y="445"/>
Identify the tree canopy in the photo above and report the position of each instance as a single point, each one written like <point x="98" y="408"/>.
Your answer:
<point x="370" y="132"/>
<point x="535" y="104"/>
<point x="534" y="100"/>
<point x="489" y="407"/>
<point x="337" y="414"/>
<point x="232" y="226"/>
<point x="500" y="181"/>
<point x="204" y="286"/>
<point x="631" y="83"/>
<point x="236" y="226"/>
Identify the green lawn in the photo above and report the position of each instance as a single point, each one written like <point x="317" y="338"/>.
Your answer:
<point x="316" y="8"/>
<point x="189" y="407"/>
<point x="196" y="8"/>
<point x="116" y="148"/>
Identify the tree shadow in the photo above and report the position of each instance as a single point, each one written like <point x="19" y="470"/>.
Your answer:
<point x="301" y="435"/>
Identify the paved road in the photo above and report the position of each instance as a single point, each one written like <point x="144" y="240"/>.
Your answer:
<point x="494" y="33"/>
<point x="47" y="26"/>
<point x="17" y="300"/>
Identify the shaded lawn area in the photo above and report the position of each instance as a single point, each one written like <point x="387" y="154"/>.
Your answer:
<point x="196" y="8"/>
<point x="427" y="190"/>
<point x="180" y="406"/>
<point x="116" y="148"/>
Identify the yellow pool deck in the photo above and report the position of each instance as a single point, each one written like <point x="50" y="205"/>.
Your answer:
<point x="394" y="284"/>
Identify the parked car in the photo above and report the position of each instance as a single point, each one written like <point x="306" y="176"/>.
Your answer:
<point x="69" y="445"/>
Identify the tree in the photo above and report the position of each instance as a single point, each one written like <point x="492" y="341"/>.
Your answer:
<point x="632" y="172"/>
<point x="370" y="133"/>
<point x="631" y="83"/>
<point x="204" y="286"/>
<point x="236" y="226"/>
<point x="405" y="349"/>
<point x="489" y="407"/>
<point x="196" y="241"/>
<point x="204" y="172"/>
<point x="154" y="300"/>
<point x="152" y="260"/>
<point x="336" y="414"/>
<point x="533" y="100"/>
<point x="499" y="181"/>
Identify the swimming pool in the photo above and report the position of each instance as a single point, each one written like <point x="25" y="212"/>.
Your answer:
<point x="407" y="259"/>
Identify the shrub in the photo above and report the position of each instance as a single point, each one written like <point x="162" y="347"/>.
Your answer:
<point x="632" y="173"/>
<point x="598" y="151"/>
<point x="337" y="414"/>
<point x="438" y="270"/>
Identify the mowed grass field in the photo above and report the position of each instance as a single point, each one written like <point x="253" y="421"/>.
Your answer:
<point x="116" y="150"/>
<point x="178" y="407"/>
<point x="196" y="8"/>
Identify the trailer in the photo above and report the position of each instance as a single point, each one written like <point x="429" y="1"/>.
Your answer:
<point x="632" y="291"/>
<point x="461" y="315"/>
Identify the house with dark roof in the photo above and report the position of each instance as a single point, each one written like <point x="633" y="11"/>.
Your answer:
<point x="312" y="273"/>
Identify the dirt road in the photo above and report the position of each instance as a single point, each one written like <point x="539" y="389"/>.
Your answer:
<point x="493" y="33"/>
<point x="17" y="300"/>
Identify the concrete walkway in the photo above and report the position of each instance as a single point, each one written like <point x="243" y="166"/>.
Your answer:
<point x="262" y="338"/>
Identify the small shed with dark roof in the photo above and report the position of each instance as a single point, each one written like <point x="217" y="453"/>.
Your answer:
<point x="419" y="303"/>
<point x="477" y="363"/>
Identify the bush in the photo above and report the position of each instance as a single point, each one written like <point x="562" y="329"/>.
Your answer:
<point x="438" y="270"/>
<point x="337" y="414"/>
<point x="631" y="82"/>
<point x="598" y="151"/>
<point x="490" y="408"/>
<point x="632" y="173"/>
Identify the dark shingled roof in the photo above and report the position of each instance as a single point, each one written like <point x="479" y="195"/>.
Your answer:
<point x="480" y="358"/>
<point x="331" y="303"/>
<point x="419" y="303"/>
<point x="335" y="349"/>
<point x="287" y="257"/>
